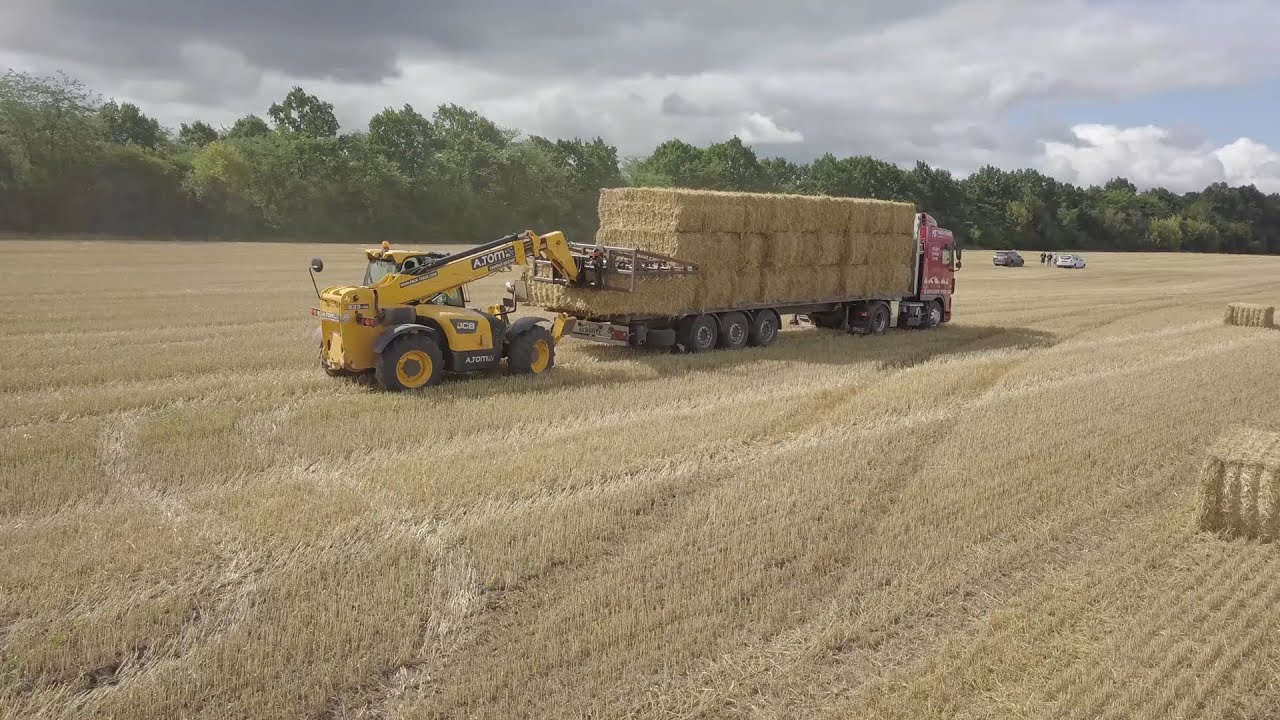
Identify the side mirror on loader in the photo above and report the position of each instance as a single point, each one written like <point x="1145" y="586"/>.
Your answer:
<point x="317" y="265"/>
<point x="517" y="291"/>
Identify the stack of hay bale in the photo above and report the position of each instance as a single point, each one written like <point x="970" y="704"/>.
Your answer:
<point x="1251" y="315"/>
<point x="750" y="249"/>
<point x="1240" y="485"/>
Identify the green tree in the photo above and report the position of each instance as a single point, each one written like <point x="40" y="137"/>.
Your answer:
<point x="405" y="137"/>
<point x="126" y="124"/>
<point x="305" y="114"/>
<point x="197" y="134"/>
<point x="248" y="126"/>
<point x="731" y="165"/>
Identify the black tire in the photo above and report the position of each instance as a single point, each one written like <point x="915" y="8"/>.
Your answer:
<point x="698" y="333"/>
<point x="533" y="352"/>
<point x="879" y="322"/>
<point x="411" y="361"/>
<point x="933" y="315"/>
<point x="764" y="328"/>
<point x="734" y="329"/>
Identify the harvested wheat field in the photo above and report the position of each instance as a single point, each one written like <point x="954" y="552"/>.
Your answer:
<point x="995" y="519"/>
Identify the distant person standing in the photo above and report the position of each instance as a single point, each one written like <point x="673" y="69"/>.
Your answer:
<point x="1042" y="258"/>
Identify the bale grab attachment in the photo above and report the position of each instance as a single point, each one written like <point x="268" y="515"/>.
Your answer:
<point x="596" y="263"/>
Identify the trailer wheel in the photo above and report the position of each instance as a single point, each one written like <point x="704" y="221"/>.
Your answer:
<point x="698" y="333"/>
<point x="879" y="318"/>
<point x="734" y="330"/>
<point x="764" y="328"/>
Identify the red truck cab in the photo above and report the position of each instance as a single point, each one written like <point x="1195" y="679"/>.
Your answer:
<point x="938" y="260"/>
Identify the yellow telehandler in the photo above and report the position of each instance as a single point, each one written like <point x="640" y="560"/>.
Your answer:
<point x="408" y="322"/>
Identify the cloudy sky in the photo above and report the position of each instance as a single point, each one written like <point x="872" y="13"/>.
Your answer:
<point x="1166" y="92"/>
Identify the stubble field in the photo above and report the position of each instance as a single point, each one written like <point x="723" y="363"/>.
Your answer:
<point x="993" y="519"/>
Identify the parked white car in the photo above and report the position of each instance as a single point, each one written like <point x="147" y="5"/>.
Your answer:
<point x="1069" y="261"/>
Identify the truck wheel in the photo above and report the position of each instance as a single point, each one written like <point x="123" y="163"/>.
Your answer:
<point x="411" y="361"/>
<point x="764" y="328"/>
<point x="879" y="318"/>
<point x="933" y="316"/>
<point x="532" y="352"/>
<point x="734" y="329"/>
<point x="698" y="333"/>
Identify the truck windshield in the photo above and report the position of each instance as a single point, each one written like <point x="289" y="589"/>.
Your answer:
<point x="377" y="270"/>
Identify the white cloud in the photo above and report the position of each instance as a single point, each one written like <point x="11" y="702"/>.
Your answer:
<point x="759" y="128"/>
<point x="1152" y="156"/>
<point x="1248" y="162"/>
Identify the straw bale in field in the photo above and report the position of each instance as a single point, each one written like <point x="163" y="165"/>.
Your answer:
<point x="1240" y="485"/>
<point x="1251" y="315"/>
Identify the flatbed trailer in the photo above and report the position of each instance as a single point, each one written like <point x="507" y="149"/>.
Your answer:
<point x="925" y="303"/>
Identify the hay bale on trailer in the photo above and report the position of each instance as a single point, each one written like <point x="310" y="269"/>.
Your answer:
<point x="1250" y="315"/>
<point x="749" y="248"/>
<point x="1240" y="485"/>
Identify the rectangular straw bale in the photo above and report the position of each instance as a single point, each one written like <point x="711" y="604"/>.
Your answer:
<point x="859" y="248"/>
<point x="748" y="285"/>
<point x="802" y="284"/>
<point x="653" y="295"/>
<point x="831" y="248"/>
<point x="718" y="249"/>
<point x="672" y="210"/>
<point x="887" y="280"/>
<point x="1240" y="485"/>
<point x="885" y="249"/>
<point x="796" y="213"/>
<point x="854" y="280"/>
<point x="761" y="213"/>
<point x="1250" y="315"/>
<point x="717" y="290"/>
<point x="751" y="247"/>
<point x="831" y="214"/>
<point x="789" y="249"/>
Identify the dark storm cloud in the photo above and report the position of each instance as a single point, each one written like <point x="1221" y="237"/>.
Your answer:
<point x="363" y="41"/>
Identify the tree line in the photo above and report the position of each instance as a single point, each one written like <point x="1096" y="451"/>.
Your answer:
<point x="70" y="163"/>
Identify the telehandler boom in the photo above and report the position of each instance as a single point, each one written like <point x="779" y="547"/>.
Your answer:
<point x="408" y="322"/>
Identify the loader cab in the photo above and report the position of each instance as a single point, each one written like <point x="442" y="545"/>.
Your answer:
<point x="383" y="263"/>
<point x="453" y="298"/>
<point x="376" y="270"/>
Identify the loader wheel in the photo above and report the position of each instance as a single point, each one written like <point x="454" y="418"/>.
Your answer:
<point x="697" y="333"/>
<point x="734" y="329"/>
<point x="410" y="362"/>
<point x="532" y="352"/>
<point x="764" y="328"/>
